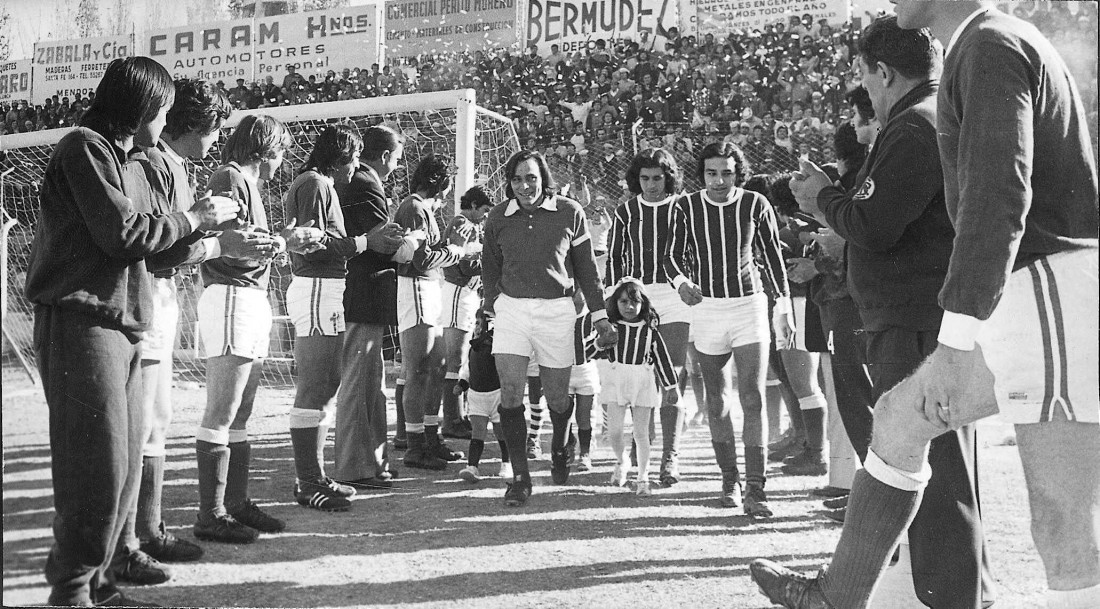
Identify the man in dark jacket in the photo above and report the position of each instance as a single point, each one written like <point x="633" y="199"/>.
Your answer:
<point x="899" y="242"/>
<point x="370" y="305"/>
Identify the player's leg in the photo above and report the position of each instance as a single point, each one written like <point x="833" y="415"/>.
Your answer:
<point x="418" y="346"/>
<point x="750" y="360"/>
<point x="713" y="367"/>
<point x="555" y="386"/>
<point x="583" y="410"/>
<point x="802" y="370"/>
<point x="318" y="361"/>
<point x="616" y="424"/>
<point x="454" y="424"/>
<point x="672" y="416"/>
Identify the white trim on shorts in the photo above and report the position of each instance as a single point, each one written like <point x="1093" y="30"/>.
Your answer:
<point x="234" y="320"/>
<point x="315" y="306"/>
<point x="719" y="325"/>
<point x="538" y="327"/>
<point x="483" y="404"/>
<point x="1040" y="343"/>
<point x="419" y="301"/>
<point x="460" y="305"/>
<point x="159" y="340"/>
<point x="667" y="302"/>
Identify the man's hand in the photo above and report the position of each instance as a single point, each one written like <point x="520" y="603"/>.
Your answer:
<point x="801" y="270"/>
<point x="831" y="243"/>
<point x="247" y="244"/>
<point x="956" y="387"/>
<point x="783" y="324"/>
<point x="672" y="396"/>
<point x="385" y="238"/>
<point x="806" y="184"/>
<point x="304" y="239"/>
<point x="210" y="211"/>
<point x="608" y="336"/>
<point x="690" y="293"/>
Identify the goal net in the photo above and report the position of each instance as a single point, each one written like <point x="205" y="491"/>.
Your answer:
<point x="444" y="122"/>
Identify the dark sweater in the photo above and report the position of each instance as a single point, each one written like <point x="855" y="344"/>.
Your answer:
<point x="898" y="233"/>
<point x="1020" y="177"/>
<point x="370" y="292"/>
<point x="95" y="230"/>
<point x="228" y="179"/>
<point x="312" y="198"/>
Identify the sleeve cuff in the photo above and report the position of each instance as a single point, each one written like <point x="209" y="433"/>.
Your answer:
<point x="213" y="248"/>
<point x="678" y="281"/>
<point x="959" y="331"/>
<point x="457" y="250"/>
<point x="193" y="219"/>
<point x="360" y="244"/>
<point x="280" y="244"/>
<point x="599" y="315"/>
<point x="783" y="306"/>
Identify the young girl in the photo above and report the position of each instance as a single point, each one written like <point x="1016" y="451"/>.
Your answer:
<point x="483" y="397"/>
<point x="638" y="350"/>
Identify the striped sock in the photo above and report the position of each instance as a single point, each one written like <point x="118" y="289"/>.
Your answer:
<point x="535" y="425"/>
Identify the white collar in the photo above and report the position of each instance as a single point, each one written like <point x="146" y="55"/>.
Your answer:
<point x="664" y="201"/>
<point x="962" y="26"/>
<point x="548" y="203"/>
<point x="733" y="197"/>
<point x="170" y="153"/>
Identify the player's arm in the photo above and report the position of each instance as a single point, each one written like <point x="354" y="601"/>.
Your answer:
<point x="616" y="248"/>
<point x="994" y="166"/>
<point x="767" y="241"/>
<point x="666" y="372"/>
<point x="429" y="257"/>
<point x="585" y="275"/>
<point x="492" y="260"/>
<point x="677" y="250"/>
<point x="312" y="201"/>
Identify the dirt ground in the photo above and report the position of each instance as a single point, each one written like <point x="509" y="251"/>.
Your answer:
<point x="435" y="541"/>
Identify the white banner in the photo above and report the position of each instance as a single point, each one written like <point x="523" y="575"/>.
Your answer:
<point x="67" y="67"/>
<point x="719" y="17"/>
<point x="428" y="27"/>
<point x="15" y="80"/>
<point x="571" y="24"/>
<point x="312" y="42"/>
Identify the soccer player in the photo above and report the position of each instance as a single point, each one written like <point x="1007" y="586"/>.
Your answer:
<point x="710" y="260"/>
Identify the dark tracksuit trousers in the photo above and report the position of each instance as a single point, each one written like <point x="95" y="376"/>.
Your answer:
<point x="854" y="396"/>
<point x="946" y="543"/>
<point x="91" y="374"/>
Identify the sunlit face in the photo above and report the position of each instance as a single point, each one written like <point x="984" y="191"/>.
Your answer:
<point x="652" y="182"/>
<point x="390" y="160"/>
<point x="913" y="14"/>
<point x="630" y="308"/>
<point x="866" y="130"/>
<point x="478" y="214"/>
<point x="527" y="183"/>
<point x="148" y="133"/>
<point x="270" y="164"/>
<point x="719" y="176"/>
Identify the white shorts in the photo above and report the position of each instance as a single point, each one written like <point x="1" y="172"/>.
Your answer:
<point x="234" y="321"/>
<point x="483" y="404"/>
<point x="668" y="304"/>
<point x="316" y="306"/>
<point x="419" y="301"/>
<point x="535" y="327"/>
<point x="460" y="306"/>
<point x="1040" y="343"/>
<point x="160" y="338"/>
<point x="798" y="306"/>
<point x="584" y="379"/>
<point x="721" y="324"/>
<point x="629" y="385"/>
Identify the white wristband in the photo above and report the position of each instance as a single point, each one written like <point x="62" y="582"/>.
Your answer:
<point x="213" y="248"/>
<point x="783" y="306"/>
<point x="678" y="281"/>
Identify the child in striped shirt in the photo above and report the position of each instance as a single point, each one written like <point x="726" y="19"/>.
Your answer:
<point x="636" y="356"/>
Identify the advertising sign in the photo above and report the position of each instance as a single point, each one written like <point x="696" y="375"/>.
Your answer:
<point x="68" y="67"/>
<point x="15" y="80"/>
<point x="415" y="27"/>
<point x="312" y="43"/>
<point x="719" y="17"/>
<point x="572" y="23"/>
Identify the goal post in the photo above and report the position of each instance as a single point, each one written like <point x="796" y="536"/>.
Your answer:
<point x="442" y="122"/>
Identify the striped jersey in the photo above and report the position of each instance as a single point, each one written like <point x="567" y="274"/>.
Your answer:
<point x="712" y="244"/>
<point x="640" y="343"/>
<point x="584" y="339"/>
<point x="637" y="242"/>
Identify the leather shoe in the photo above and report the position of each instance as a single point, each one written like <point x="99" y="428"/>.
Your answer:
<point x="787" y="588"/>
<point x="830" y="492"/>
<point x="376" y="482"/>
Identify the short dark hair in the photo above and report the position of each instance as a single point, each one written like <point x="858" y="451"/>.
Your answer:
<point x="847" y="146"/>
<point x="860" y="99"/>
<point x="915" y="54"/>
<point x="200" y="107"/>
<point x="548" y="185"/>
<point x="474" y="198"/>
<point x="379" y="139"/>
<point x="654" y="158"/>
<point x="432" y="175"/>
<point x="130" y="94"/>
<point x="337" y="145"/>
<point x="780" y="195"/>
<point x="724" y="150"/>
<point x="256" y="137"/>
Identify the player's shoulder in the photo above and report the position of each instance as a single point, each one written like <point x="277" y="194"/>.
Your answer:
<point x="566" y="204"/>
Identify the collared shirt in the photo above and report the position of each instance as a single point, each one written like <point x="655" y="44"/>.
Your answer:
<point x="636" y="244"/>
<point x="184" y="195"/>
<point x="541" y="253"/>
